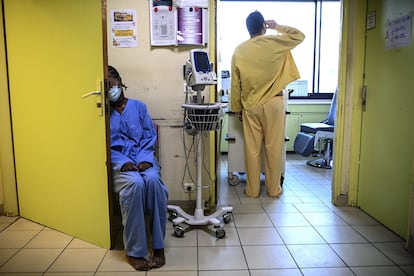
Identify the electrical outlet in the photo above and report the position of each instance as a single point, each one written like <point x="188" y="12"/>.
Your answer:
<point x="189" y="186"/>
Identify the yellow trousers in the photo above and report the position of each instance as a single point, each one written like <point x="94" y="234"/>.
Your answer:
<point x="264" y="130"/>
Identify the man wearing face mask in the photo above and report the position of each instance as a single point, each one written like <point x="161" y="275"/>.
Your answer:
<point x="136" y="177"/>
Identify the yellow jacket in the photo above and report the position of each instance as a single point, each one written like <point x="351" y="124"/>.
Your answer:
<point x="262" y="66"/>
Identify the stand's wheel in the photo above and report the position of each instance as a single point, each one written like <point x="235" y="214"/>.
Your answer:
<point x="227" y="218"/>
<point x="234" y="180"/>
<point x="172" y="215"/>
<point x="220" y="233"/>
<point x="178" y="231"/>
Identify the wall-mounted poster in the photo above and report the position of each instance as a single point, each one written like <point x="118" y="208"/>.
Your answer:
<point x="191" y="25"/>
<point x="163" y="23"/>
<point x="124" y="28"/>
<point x="171" y="25"/>
<point x="191" y="3"/>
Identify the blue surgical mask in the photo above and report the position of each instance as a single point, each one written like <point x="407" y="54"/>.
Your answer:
<point x="114" y="93"/>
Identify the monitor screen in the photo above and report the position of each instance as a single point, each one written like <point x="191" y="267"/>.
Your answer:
<point x="202" y="63"/>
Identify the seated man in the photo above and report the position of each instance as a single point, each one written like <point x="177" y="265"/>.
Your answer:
<point x="136" y="176"/>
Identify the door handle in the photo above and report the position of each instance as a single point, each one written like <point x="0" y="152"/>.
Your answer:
<point x="101" y="100"/>
<point x="91" y="93"/>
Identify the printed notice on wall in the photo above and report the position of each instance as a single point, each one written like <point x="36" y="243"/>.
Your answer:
<point x="371" y="20"/>
<point x="398" y="32"/>
<point x="163" y="23"/>
<point x="124" y="28"/>
<point x="191" y="3"/>
<point x="172" y="25"/>
<point x="190" y="26"/>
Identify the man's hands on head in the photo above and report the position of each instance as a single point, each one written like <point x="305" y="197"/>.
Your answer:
<point x="129" y="166"/>
<point x="270" y="24"/>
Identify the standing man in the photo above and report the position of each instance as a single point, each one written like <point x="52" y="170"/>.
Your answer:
<point x="136" y="177"/>
<point x="261" y="68"/>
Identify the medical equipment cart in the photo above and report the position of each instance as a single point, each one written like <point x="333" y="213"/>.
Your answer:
<point x="200" y="118"/>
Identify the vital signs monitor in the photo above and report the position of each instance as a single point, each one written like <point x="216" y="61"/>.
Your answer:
<point x="201" y="71"/>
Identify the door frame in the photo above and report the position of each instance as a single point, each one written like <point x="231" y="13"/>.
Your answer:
<point x="8" y="188"/>
<point x="349" y="106"/>
<point x="111" y="195"/>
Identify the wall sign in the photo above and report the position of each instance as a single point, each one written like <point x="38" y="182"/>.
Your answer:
<point x="124" y="28"/>
<point x="371" y="20"/>
<point x="178" y="25"/>
<point x="398" y="32"/>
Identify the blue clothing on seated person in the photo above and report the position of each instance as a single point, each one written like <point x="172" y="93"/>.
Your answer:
<point x="141" y="192"/>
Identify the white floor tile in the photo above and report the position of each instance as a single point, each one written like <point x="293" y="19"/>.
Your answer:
<point x="340" y="234"/>
<point x="168" y="273"/>
<point x="324" y="219"/>
<point x="361" y="254"/>
<point x="48" y="238"/>
<point x="16" y="239"/>
<point x="24" y="224"/>
<point x="259" y="236"/>
<point x="276" y="272"/>
<point x="377" y="233"/>
<point x="327" y="271"/>
<point x="224" y="273"/>
<point x="115" y="261"/>
<point x="300" y="235"/>
<point x="209" y="239"/>
<point x="396" y="252"/>
<point x="78" y="260"/>
<point x="293" y="219"/>
<point x="252" y="220"/>
<point x="180" y="259"/>
<point x="6" y="254"/>
<point x="378" y="271"/>
<point x="221" y="258"/>
<point x="31" y="260"/>
<point x="268" y="257"/>
<point x="315" y="256"/>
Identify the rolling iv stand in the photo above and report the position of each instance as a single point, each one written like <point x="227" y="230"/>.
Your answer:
<point x="200" y="118"/>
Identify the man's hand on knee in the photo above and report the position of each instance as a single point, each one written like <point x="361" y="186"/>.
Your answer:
<point x="129" y="166"/>
<point x="143" y="166"/>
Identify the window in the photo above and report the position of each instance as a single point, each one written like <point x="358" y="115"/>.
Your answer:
<point x="317" y="57"/>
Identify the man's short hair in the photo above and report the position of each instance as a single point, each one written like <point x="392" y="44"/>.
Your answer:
<point x="112" y="72"/>
<point x="254" y="23"/>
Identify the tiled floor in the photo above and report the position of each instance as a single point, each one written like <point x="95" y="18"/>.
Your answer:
<point x="301" y="233"/>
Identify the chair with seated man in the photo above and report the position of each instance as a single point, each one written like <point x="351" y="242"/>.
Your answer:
<point x="318" y="137"/>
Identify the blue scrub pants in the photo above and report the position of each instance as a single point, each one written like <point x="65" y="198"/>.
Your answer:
<point x="140" y="194"/>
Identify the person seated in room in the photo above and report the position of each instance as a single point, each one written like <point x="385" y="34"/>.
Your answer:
<point x="136" y="177"/>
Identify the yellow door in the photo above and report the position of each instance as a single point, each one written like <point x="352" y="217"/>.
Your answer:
<point x="387" y="134"/>
<point x="55" y="55"/>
